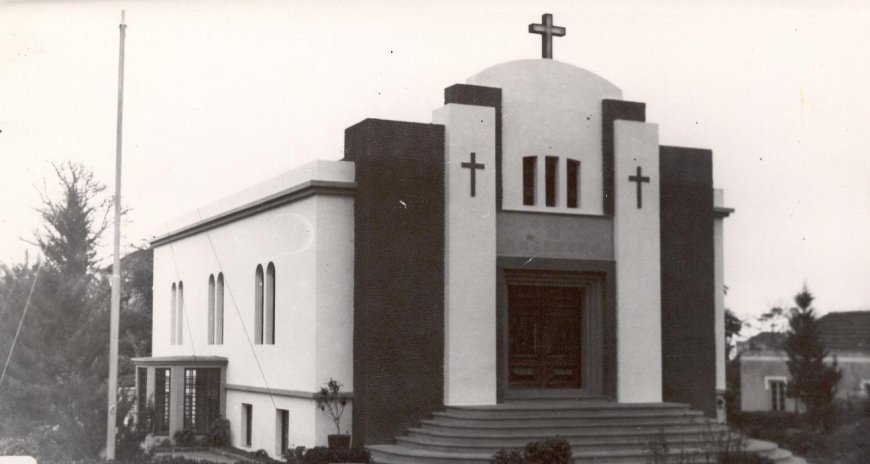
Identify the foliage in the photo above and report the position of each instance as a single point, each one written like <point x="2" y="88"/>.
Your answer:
<point x="733" y="327"/>
<point x="742" y="457"/>
<point x="813" y="382"/>
<point x="332" y="402"/>
<point x="184" y="437"/>
<point x="790" y="430"/>
<point x="55" y="387"/>
<point x="775" y="320"/>
<point x="54" y="393"/>
<point x="324" y="455"/>
<point x="132" y="433"/>
<point x="219" y="432"/>
<point x="74" y="224"/>
<point x="548" y="451"/>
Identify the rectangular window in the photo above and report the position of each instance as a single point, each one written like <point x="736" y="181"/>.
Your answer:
<point x="551" y="164"/>
<point x="282" y="419"/>
<point x="141" y="392"/>
<point x="201" y="398"/>
<point x="529" y="163"/>
<point x="777" y="395"/>
<point x="247" y="419"/>
<point x="162" y="385"/>
<point x="573" y="176"/>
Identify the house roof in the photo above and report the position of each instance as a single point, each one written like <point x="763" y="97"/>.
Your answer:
<point x="765" y="341"/>
<point x="841" y="331"/>
<point x="845" y="331"/>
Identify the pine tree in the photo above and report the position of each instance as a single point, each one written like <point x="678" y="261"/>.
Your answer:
<point x="55" y="386"/>
<point x="813" y="382"/>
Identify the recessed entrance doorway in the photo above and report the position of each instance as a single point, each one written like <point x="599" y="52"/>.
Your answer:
<point x="544" y="326"/>
<point x="551" y="335"/>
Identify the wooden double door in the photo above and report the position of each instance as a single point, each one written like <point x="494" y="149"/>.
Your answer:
<point x="545" y="336"/>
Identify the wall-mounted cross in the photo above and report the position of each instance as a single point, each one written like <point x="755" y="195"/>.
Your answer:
<point x="547" y="31"/>
<point x="474" y="166"/>
<point x="639" y="179"/>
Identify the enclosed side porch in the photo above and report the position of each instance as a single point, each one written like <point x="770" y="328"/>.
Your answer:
<point x="184" y="392"/>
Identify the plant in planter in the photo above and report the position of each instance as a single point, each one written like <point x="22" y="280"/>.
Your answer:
<point x="332" y="402"/>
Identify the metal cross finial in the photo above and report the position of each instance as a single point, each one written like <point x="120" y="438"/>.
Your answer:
<point x="547" y="31"/>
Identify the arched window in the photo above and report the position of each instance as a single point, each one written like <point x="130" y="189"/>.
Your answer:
<point x="211" y="325"/>
<point x="179" y="337"/>
<point x="269" y="325"/>
<point x="173" y="316"/>
<point x="219" y="311"/>
<point x="258" y="306"/>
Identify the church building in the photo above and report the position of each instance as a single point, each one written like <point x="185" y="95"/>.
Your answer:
<point x="534" y="242"/>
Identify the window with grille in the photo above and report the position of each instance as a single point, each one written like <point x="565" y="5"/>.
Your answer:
<point x="201" y="398"/>
<point x="162" y="385"/>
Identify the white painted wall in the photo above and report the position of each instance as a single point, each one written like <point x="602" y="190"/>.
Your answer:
<point x="308" y="425"/>
<point x="638" y="264"/>
<point x="470" y="256"/>
<point x="550" y="108"/>
<point x="310" y="242"/>
<point x="335" y="284"/>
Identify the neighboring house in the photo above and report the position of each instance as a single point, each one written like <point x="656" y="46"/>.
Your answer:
<point x="764" y="373"/>
<point x="534" y="241"/>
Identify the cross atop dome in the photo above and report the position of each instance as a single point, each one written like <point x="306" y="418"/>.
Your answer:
<point x="547" y="31"/>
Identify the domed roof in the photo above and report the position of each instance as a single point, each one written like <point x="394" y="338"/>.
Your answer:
<point x="539" y="72"/>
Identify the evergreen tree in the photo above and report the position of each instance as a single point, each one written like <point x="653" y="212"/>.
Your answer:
<point x="813" y="382"/>
<point x="55" y="386"/>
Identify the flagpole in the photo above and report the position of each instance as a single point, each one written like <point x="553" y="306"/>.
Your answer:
<point x="116" y="265"/>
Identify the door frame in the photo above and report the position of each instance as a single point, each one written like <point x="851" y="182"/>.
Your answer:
<point x="592" y="278"/>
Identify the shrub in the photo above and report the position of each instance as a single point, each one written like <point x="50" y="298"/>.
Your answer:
<point x="742" y="457"/>
<point x="184" y="437"/>
<point x="549" y="451"/>
<point x="324" y="455"/>
<point x="219" y="432"/>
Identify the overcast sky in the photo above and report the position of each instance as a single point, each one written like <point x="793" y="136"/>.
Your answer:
<point x="223" y="95"/>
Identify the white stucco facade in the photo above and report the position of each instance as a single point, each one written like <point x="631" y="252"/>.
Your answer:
<point x="550" y="108"/>
<point x="308" y="237"/>
<point x="470" y="362"/>
<point x="638" y="268"/>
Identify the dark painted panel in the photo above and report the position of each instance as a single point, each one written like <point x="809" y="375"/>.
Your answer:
<point x="611" y="110"/>
<point x="607" y="269"/>
<point x="559" y="236"/>
<point x="399" y="276"/>
<point x="688" y="300"/>
<point x="479" y="95"/>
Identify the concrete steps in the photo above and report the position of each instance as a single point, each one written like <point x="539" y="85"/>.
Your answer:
<point x="598" y="431"/>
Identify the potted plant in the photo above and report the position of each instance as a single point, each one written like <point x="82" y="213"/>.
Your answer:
<point x="332" y="403"/>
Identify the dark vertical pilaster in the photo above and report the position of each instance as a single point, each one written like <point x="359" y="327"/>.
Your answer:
<point x="398" y="338"/>
<point x="688" y="300"/>
<point x="611" y="110"/>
